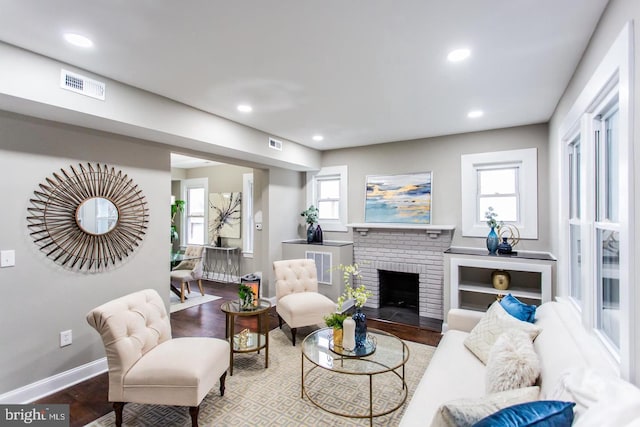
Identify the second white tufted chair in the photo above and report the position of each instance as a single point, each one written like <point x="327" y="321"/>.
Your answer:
<point x="298" y="301"/>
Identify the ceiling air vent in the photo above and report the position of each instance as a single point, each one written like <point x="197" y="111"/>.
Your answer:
<point x="275" y="144"/>
<point x="81" y="84"/>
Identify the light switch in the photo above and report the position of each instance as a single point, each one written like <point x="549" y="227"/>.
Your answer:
<point x="7" y="258"/>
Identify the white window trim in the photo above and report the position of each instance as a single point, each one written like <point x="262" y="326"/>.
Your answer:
<point x="527" y="160"/>
<point x="564" y="287"/>
<point x="184" y="187"/>
<point x="247" y="215"/>
<point x="312" y="188"/>
<point x="613" y="73"/>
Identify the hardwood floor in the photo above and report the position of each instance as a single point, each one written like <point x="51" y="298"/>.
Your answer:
<point x="88" y="400"/>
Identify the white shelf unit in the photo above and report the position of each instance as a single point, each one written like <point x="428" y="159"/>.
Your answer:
<point x="470" y="286"/>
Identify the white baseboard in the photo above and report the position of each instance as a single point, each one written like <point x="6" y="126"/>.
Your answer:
<point x="45" y="387"/>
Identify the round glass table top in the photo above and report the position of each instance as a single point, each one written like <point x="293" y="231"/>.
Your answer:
<point x="390" y="353"/>
<point x="234" y="307"/>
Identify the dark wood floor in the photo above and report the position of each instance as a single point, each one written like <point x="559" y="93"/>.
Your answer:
<point x="88" y="400"/>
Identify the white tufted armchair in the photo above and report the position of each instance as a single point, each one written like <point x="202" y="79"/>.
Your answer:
<point x="298" y="301"/>
<point x="146" y="365"/>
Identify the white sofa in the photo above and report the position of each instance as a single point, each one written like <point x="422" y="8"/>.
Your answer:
<point x="455" y="372"/>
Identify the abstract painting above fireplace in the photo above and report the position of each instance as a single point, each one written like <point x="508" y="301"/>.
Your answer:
<point x="404" y="198"/>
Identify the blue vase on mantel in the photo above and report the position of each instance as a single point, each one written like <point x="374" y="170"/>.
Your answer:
<point x="492" y="241"/>
<point x="361" y="327"/>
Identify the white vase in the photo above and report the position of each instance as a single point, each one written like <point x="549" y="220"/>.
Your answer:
<point x="348" y="334"/>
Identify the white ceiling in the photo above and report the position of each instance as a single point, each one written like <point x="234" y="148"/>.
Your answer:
<point x="358" y="72"/>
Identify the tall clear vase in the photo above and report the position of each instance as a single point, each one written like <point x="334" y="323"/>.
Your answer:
<point x="361" y="327"/>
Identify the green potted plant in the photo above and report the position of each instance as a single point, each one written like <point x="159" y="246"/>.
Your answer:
<point x="335" y="320"/>
<point x="245" y="293"/>
<point x="176" y="206"/>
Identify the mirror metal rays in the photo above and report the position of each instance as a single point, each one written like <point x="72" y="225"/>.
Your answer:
<point x="89" y="218"/>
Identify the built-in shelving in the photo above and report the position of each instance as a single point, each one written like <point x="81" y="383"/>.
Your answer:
<point x="468" y="282"/>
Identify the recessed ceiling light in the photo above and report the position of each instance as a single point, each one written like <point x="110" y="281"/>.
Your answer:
<point x="245" y="108"/>
<point x="318" y="137"/>
<point x="78" y="40"/>
<point x="475" y="114"/>
<point x="458" y="55"/>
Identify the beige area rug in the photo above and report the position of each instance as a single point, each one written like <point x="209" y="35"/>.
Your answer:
<point x="193" y="299"/>
<point x="256" y="396"/>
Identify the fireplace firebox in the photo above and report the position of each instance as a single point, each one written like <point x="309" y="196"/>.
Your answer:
<point x="399" y="289"/>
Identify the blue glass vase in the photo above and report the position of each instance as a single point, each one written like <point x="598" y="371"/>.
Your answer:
<point x="361" y="327"/>
<point x="311" y="231"/>
<point x="492" y="241"/>
<point x="505" y="247"/>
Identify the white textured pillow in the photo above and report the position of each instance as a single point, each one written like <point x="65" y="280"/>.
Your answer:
<point x="466" y="412"/>
<point x="513" y="362"/>
<point x="495" y="321"/>
<point x="601" y="399"/>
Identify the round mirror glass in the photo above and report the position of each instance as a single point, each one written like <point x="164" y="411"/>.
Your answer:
<point x="97" y="215"/>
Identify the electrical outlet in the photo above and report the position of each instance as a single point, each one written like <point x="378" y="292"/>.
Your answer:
<point x="66" y="338"/>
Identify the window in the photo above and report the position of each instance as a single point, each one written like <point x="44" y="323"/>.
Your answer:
<point x="597" y="203"/>
<point x="328" y="200"/>
<point x="593" y="188"/>
<point x="607" y="226"/>
<point x="327" y="190"/>
<point x="247" y="214"/>
<point x="195" y="195"/>
<point x="498" y="188"/>
<point x="502" y="180"/>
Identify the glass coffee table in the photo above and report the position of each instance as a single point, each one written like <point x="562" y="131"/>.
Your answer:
<point x="249" y="341"/>
<point x="389" y="355"/>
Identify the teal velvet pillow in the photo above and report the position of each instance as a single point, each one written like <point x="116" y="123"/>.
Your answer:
<point x="539" y="413"/>
<point x="517" y="309"/>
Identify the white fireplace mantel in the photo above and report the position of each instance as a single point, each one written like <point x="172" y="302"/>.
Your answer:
<point x="431" y="230"/>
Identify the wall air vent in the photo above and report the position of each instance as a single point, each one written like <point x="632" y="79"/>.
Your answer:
<point x="275" y="144"/>
<point x="324" y="265"/>
<point x="81" y="84"/>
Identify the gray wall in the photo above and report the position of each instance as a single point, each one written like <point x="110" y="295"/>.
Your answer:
<point x="441" y="155"/>
<point x="617" y="13"/>
<point x="286" y="201"/>
<point x="40" y="298"/>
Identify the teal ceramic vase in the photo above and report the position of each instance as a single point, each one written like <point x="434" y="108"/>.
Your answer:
<point x="492" y="241"/>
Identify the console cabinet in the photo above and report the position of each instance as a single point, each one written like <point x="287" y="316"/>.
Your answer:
<point x="468" y="282"/>
<point x="327" y="255"/>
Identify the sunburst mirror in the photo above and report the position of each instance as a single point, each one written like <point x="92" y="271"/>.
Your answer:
<point x="88" y="218"/>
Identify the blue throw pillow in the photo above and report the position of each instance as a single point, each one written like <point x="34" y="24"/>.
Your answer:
<point x="517" y="309"/>
<point x="539" y="413"/>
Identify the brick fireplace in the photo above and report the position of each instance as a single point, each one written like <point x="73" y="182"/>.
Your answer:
<point x="407" y="248"/>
